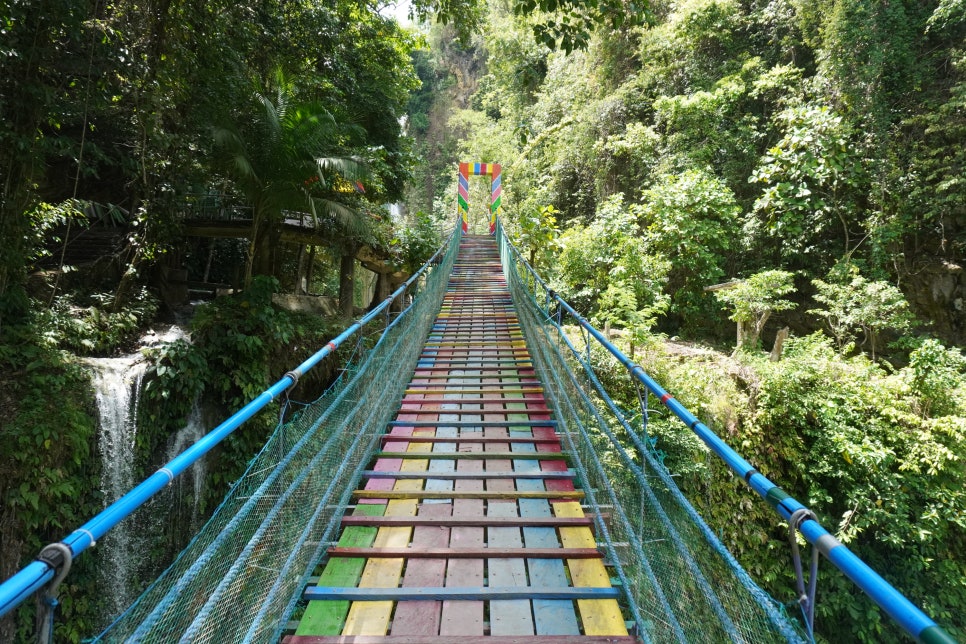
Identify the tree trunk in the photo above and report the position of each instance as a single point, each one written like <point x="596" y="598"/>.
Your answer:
<point x="776" y="350"/>
<point x="211" y="256"/>
<point x="347" y="269"/>
<point x="261" y="251"/>
<point x="381" y="291"/>
<point x="310" y="271"/>
<point x="298" y="289"/>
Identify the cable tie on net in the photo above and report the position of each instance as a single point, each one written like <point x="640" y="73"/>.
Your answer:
<point x="806" y="597"/>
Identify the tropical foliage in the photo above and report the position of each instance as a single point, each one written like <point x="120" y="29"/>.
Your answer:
<point x="809" y="156"/>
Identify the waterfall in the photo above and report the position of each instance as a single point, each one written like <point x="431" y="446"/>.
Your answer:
<point x="124" y="552"/>
<point x="117" y="387"/>
<point x="193" y="430"/>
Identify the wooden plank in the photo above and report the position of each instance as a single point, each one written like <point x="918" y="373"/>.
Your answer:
<point x="442" y="494"/>
<point x="475" y="362"/>
<point x="327" y="618"/>
<point x="463" y="439"/>
<point x="422" y="617"/>
<point x="422" y="520"/>
<point x="472" y="405"/>
<point x="465" y="617"/>
<point x="372" y="618"/>
<point x="473" y="423"/>
<point x="519" y="593"/>
<point x="551" y="617"/>
<point x="388" y="464"/>
<point x="599" y="617"/>
<point x="420" y="552"/>
<point x="540" y="456"/>
<point x="442" y="467"/>
<point x="508" y="616"/>
<point x="539" y="474"/>
<point x="464" y="639"/>
<point x="430" y="375"/>
<point x="496" y="387"/>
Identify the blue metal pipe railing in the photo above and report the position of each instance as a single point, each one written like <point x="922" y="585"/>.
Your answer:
<point x="912" y="620"/>
<point x="35" y="575"/>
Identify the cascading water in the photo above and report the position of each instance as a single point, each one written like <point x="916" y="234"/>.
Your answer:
<point x="117" y="387"/>
<point x="125" y="551"/>
<point x="195" y="476"/>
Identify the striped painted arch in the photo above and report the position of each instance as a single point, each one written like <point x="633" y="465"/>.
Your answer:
<point x="492" y="170"/>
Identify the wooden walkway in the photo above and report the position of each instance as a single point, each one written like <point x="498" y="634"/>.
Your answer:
<point x="468" y="527"/>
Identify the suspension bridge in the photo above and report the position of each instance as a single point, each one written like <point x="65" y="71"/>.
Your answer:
<point x="469" y="481"/>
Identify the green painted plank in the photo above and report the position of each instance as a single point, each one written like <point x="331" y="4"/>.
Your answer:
<point x="327" y="618"/>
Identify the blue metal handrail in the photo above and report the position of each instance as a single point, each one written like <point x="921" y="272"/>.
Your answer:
<point x="912" y="620"/>
<point x="32" y="577"/>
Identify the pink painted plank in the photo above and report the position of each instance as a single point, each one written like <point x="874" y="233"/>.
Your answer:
<point x="423" y="617"/>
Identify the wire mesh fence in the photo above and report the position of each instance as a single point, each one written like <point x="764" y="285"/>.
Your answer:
<point x="681" y="583"/>
<point x="240" y="577"/>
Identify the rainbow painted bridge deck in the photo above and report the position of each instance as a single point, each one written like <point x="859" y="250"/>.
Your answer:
<point x="468" y="526"/>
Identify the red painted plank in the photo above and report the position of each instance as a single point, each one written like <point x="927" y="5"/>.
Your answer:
<point x="388" y="465"/>
<point x="465" y="617"/>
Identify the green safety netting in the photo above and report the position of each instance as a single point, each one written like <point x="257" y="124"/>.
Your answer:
<point x="682" y="584"/>
<point x="242" y="575"/>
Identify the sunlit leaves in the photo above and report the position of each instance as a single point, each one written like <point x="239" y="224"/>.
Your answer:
<point x="754" y="299"/>
<point x="691" y="219"/>
<point x="812" y="179"/>
<point x="854" y="303"/>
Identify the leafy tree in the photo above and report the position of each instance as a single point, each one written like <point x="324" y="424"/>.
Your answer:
<point x="812" y="178"/>
<point x="292" y="158"/>
<point x="854" y="303"/>
<point x="937" y="375"/>
<point x="538" y="233"/>
<point x="41" y="43"/>
<point x="607" y="271"/>
<point x="567" y="24"/>
<point x="753" y="300"/>
<point x="417" y="241"/>
<point x="690" y="220"/>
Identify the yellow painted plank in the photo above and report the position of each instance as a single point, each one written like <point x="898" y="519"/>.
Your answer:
<point x="599" y="616"/>
<point x="372" y="618"/>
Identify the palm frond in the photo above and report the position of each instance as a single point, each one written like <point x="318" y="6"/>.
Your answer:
<point x="349" y="221"/>
<point x="231" y="144"/>
<point x="352" y="168"/>
<point x="269" y="117"/>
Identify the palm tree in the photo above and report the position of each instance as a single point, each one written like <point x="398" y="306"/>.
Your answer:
<point x="290" y="160"/>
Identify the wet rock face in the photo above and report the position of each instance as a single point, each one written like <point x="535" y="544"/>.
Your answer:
<point x="937" y="292"/>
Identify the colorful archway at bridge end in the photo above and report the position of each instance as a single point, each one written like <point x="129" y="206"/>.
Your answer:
<point x="492" y="170"/>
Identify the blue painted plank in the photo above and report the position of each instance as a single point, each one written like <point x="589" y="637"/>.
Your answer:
<point x="551" y="616"/>
<point x="335" y="593"/>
